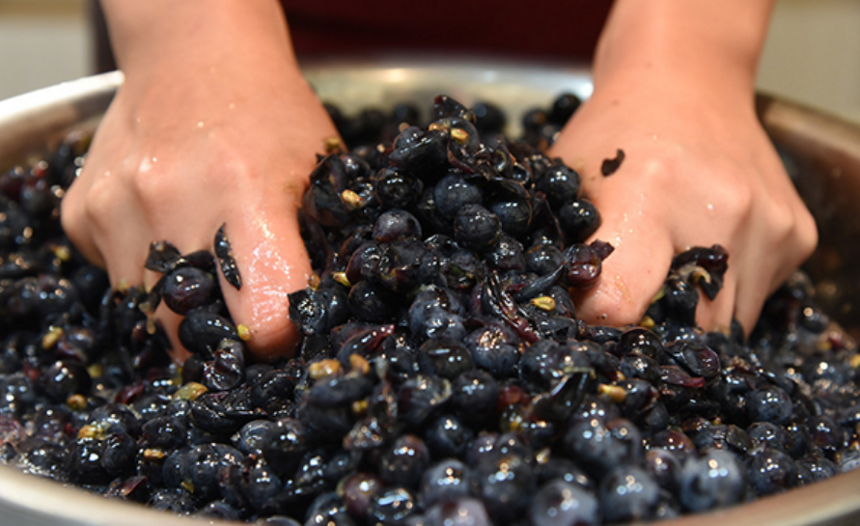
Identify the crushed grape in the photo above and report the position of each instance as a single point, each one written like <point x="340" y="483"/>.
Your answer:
<point x="442" y="376"/>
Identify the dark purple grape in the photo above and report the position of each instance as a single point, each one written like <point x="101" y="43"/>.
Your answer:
<point x="398" y="267"/>
<point x="476" y="228"/>
<point x="227" y="369"/>
<point x="175" y="500"/>
<point x="251" y="439"/>
<point x="560" y="503"/>
<point x="115" y="418"/>
<point x="42" y="296"/>
<point x="534" y="119"/>
<point x="714" y="480"/>
<point x="445" y="106"/>
<point x="594" y="407"/>
<point x="827" y="435"/>
<point x="271" y="388"/>
<point x="358" y="490"/>
<point x="202" y="465"/>
<point x="770" y="435"/>
<point x="505" y="255"/>
<point x="284" y="445"/>
<point x="453" y="192"/>
<point x="220" y="510"/>
<point x="326" y="509"/>
<point x="396" y="190"/>
<point x="392" y="506"/>
<point x="514" y="213"/>
<point x="363" y="261"/>
<point x="769" y="404"/>
<point x="165" y="432"/>
<point x="84" y="462"/>
<point x="118" y="454"/>
<point x="459" y="512"/>
<point x="339" y="390"/>
<point x="599" y="447"/>
<point x="318" y="311"/>
<point x="675" y="441"/>
<point x="396" y="225"/>
<point x="664" y="467"/>
<point x="444" y="357"/>
<point x="475" y="394"/>
<point x="819" y="468"/>
<point x="584" y="263"/>
<point x="494" y="350"/>
<point x="505" y="483"/>
<point x="325" y="424"/>
<point x="489" y="118"/>
<point x="444" y="481"/>
<point x="448" y="437"/>
<point x="680" y="300"/>
<point x="771" y="471"/>
<point x="628" y="494"/>
<point x="201" y="331"/>
<point x="696" y="357"/>
<point x="421" y="154"/>
<point x="372" y="303"/>
<point x="543" y="259"/>
<point x="405" y="462"/>
<point x="560" y="184"/>
<point x="65" y="378"/>
<point x="723" y="436"/>
<point x="563" y="108"/>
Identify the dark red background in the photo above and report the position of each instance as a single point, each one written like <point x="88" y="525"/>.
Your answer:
<point x="550" y="29"/>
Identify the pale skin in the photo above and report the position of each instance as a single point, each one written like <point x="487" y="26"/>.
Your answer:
<point x="216" y="125"/>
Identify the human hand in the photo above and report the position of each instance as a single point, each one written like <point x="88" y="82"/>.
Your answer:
<point x="198" y="142"/>
<point x="698" y="170"/>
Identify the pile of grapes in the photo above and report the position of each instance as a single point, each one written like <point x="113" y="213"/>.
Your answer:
<point x="442" y="375"/>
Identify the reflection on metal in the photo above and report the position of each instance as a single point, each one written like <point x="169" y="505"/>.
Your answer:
<point x="822" y="152"/>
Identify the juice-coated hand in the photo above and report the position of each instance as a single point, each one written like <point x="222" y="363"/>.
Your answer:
<point x="221" y="132"/>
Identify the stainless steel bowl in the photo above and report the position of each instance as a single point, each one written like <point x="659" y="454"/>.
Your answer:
<point x="822" y="152"/>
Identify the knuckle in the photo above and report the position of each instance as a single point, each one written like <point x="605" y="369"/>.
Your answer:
<point x="807" y="234"/>
<point x="150" y="187"/>
<point x="736" y="201"/>
<point x="781" y="222"/>
<point x="99" y="201"/>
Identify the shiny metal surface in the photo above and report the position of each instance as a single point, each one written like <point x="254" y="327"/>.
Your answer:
<point x="823" y="152"/>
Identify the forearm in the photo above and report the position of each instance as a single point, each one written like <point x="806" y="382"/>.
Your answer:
<point x="197" y="33"/>
<point x="697" y="44"/>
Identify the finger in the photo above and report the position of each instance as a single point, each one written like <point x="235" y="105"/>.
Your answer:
<point x="631" y="276"/>
<point x="798" y="248"/>
<point x="76" y="225"/>
<point x="272" y="263"/>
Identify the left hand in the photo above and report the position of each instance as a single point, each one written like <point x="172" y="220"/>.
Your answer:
<point x="699" y="170"/>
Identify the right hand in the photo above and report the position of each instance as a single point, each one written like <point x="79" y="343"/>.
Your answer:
<point x="189" y="145"/>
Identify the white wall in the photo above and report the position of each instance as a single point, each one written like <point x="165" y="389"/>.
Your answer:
<point x="42" y="42"/>
<point x="813" y="54"/>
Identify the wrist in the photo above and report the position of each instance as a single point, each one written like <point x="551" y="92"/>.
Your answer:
<point x="703" y="49"/>
<point x="159" y="37"/>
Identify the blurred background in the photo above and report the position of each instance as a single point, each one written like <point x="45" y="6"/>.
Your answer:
<point x="812" y="53"/>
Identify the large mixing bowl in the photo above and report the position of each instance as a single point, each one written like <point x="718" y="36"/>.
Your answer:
<point x="822" y="153"/>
